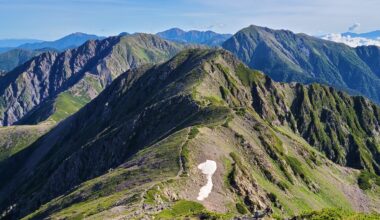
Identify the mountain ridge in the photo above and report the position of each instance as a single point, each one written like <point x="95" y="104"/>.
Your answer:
<point x="16" y="42"/>
<point x="93" y="65"/>
<point x="290" y="57"/>
<point x="374" y="35"/>
<point x="67" y="42"/>
<point x="208" y="38"/>
<point x="133" y="151"/>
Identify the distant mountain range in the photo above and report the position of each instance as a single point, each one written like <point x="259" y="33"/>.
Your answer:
<point x="16" y="57"/>
<point x="289" y="57"/>
<point x="374" y="35"/>
<point x="16" y="52"/>
<point x="208" y="38"/>
<point x="67" y="42"/>
<point x="9" y="44"/>
<point x="17" y="42"/>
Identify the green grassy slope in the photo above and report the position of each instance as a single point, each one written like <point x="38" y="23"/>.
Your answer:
<point x="133" y="152"/>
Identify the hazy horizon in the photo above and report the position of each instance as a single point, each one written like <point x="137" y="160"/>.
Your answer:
<point x="52" y="19"/>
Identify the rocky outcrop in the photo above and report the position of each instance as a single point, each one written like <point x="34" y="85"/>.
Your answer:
<point x="345" y="128"/>
<point x="45" y="76"/>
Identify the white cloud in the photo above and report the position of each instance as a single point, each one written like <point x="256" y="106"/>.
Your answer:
<point x="351" y="41"/>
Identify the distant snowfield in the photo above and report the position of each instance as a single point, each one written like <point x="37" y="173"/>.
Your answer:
<point x="351" y="41"/>
<point x="208" y="168"/>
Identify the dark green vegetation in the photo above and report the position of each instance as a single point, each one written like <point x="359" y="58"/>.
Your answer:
<point x="208" y="38"/>
<point x="367" y="180"/>
<point x="189" y="209"/>
<point x="336" y="214"/>
<point x="343" y="127"/>
<point x="289" y="57"/>
<point x="133" y="151"/>
<point x="182" y="209"/>
<point x="30" y="93"/>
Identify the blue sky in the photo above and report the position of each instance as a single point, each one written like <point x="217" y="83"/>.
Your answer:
<point x="50" y="19"/>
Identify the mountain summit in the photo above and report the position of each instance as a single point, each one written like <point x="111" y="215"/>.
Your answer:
<point x="290" y="57"/>
<point x="208" y="38"/>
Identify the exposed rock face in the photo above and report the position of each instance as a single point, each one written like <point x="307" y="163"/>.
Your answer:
<point x="289" y="57"/>
<point x="44" y="77"/>
<point x="345" y="128"/>
<point x="253" y="195"/>
<point x="142" y="129"/>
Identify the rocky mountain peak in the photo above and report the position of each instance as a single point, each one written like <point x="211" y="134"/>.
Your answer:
<point x="95" y="63"/>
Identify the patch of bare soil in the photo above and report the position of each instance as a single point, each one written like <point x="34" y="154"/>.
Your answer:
<point x="358" y="199"/>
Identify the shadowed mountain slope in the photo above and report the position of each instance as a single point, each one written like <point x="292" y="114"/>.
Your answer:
<point x="290" y="57"/>
<point x="133" y="152"/>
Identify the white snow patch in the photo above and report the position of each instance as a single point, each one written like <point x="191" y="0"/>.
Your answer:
<point x="351" y="41"/>
<point x="208" y="168"/>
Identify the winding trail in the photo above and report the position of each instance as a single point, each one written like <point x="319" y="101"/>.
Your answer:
<point x="178" y="176"/>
